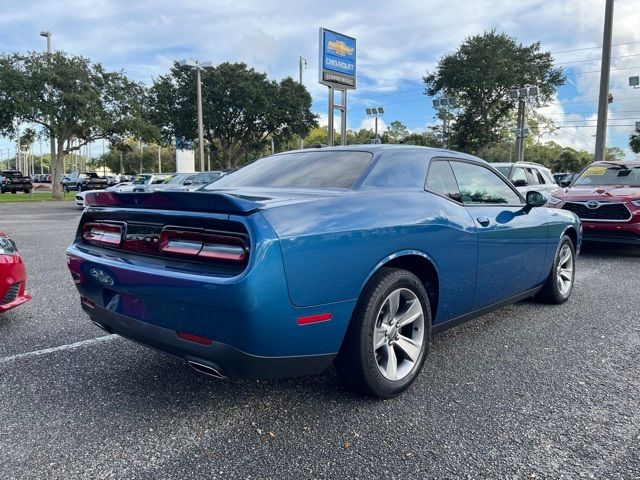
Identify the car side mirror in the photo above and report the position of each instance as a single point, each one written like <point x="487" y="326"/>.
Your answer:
<point x="535" y="199"/>
<point x="565" y="183"/>
<point x="521" y="183"/>
<point x="188" y="182"/>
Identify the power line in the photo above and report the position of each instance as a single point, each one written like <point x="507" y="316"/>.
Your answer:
<point x="598" y="59"/>
<point x="598" y="71"/>
<point x="593" y="48"/>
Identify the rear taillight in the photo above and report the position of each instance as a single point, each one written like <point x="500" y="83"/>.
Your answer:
<point x="108" y="234"/>
<point x="204" y="245"/>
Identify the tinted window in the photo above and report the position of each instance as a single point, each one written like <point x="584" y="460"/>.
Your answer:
<point x="479" y="185"/>
<point x="398" y="170"/>
<point x="442" y="181"/>
<point x="309" y="169"/>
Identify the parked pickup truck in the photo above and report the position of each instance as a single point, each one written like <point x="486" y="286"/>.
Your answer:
<point x="81" y="181"/>
<point x="14" y="181"/>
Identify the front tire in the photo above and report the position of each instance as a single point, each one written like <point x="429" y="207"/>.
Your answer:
<point x="559" y="285"/>
<point x="388" y="339"/>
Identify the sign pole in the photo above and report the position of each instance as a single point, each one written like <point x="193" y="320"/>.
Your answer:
<point x="343" y="119"/>
<point x="330" y="119"/>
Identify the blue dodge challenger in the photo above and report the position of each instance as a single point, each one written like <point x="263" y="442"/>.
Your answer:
<point x="353" y="255"/>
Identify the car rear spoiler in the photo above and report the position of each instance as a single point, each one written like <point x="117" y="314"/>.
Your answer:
<point x="167" y="200"/>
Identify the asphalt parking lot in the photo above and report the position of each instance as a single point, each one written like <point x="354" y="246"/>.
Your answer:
<point x="530" y="391"/>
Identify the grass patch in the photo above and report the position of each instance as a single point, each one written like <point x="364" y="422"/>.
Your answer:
<point x="32" y="197"/>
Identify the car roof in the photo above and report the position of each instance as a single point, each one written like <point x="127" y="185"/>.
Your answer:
<point x="525" y="164"/>
<point x="379" y="148"/>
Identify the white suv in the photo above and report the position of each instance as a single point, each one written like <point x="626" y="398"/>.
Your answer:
<point x="527" y="176"/>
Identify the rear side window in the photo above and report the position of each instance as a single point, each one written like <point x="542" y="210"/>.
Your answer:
<point x="307" y="169"/>
<point x="442" y="181"/>
<point x="398" y="170"/>
<point x="479" y="186"/>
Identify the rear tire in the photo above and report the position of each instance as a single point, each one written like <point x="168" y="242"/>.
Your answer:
<point x="388" y="338"/>
<point x="559" y="285"/>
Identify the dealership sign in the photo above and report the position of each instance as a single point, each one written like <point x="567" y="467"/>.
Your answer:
<point x="337" y="60"/>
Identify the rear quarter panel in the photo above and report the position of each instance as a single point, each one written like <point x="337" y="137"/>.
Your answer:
<point x="331" y="247"/>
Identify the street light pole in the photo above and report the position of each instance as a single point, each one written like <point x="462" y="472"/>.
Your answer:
<point x="605" y="72"/>
<point x="375" y="112"/>
<point x="302" y="65"/>
<point x="52" y="140"/>
<point x="198" y="67"/>
<point x="200" y="127"/>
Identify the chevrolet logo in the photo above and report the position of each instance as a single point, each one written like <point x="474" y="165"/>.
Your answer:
<point x="340" y="48"/>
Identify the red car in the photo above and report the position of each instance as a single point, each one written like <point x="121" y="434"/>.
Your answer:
<point x="12" y="275"/>
<point x="606" y="197"/>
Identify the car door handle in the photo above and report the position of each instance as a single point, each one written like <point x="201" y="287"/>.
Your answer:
<point x="484" y="221"/>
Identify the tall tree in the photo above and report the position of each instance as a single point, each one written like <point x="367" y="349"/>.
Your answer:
<point x="242" y="110"/>
<point x="480" y="74"/>
<point x="72" y="99"/>
<point x="397" y="131"/>
<point x="634" y="141"/>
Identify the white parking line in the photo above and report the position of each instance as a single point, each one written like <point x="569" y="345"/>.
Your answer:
<point x="61" y="348"/>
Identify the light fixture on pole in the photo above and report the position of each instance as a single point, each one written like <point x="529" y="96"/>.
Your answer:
<point x="443" y="105"/>
<point x="47" y="35"/>
<point x="522" y="95"/>
<point x="198" y="67"/>
<point x="375" y="112"/>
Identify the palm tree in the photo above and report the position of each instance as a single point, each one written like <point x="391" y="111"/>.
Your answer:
<point x="634" y="141"/>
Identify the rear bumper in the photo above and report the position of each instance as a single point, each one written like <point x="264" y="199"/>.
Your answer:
<point x="226" y="359"/>
<point x="16" y="188"/>
<point x="621" y="233"/>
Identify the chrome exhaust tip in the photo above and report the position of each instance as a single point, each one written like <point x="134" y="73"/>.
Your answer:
<point x="205" y="369"/>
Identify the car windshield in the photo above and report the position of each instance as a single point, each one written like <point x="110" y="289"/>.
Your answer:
<point x="206" y="178"/>
<point x="307" y="169"/>
<point x="13" y="174"/>
<point x="177" y="179"/>
<point x="610" y="175"/>
<point x="141" y="179"/>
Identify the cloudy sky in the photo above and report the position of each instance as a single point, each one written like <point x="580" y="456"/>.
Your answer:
<point x="397" y="42"/>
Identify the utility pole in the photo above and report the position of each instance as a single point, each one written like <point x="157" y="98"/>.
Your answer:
<point x="159" y="159"/>
<point x="302" y="65"/>
<point x="603" y="100"/>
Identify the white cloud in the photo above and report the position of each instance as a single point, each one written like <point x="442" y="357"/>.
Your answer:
<point x="397" y="41"/>
<point x="370" y="124"/>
